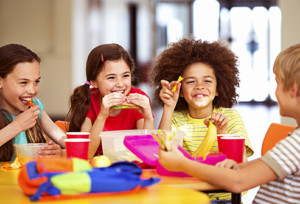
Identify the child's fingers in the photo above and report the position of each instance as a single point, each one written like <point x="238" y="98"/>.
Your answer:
<point x="164" y="94"/>
<point x="50" y="150"/>
<point x="164" y="84"/>
<point x="206" y="122"/>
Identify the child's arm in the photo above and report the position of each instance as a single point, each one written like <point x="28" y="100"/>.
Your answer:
<point x="107" y="102"/>
<point x="53" y="131"/>
<point x="94" y="133"/>
<point x="54" y="148"/>
<point x="170" y="100"/>
<point x="254" y="174"/>
<point x="22" y="122"/>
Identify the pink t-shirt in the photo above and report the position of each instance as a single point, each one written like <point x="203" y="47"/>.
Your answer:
<point x="126" y="120"/>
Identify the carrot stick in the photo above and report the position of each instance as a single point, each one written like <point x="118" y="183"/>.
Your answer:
<point x="31" y="104"/>
<point x="178" y="80"/>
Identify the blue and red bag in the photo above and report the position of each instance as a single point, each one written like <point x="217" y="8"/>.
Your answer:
<point x="61" y="178"/>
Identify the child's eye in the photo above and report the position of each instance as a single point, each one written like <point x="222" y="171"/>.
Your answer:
<point x="126" y="75"/>
<point x="208" y="81"/>
<point x="37" y="82"/>
<point x="190" y="82"/>
<point x="23" y="82"/>
<point x="110" y="78"/>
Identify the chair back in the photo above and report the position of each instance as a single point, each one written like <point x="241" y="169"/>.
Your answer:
<point x="64" y="125"/>
<point x="275" y="133"/>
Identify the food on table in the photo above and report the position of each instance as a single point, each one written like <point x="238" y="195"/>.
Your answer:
<point x="208" y="141"/>
<point x="162" y="137"/>
<point x="100" y="161"/>
<point x="16" y="164"/>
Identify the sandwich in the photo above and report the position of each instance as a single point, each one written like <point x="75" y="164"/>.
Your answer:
<point x="126" y="106"/>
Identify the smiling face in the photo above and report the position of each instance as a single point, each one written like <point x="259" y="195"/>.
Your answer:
<point x="20" y="86"/>
<point x="114" y="77"/>
<point x="199" y="89"/>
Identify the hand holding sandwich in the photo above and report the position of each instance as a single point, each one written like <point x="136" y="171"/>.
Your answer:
<point x="110" y="100"/>
<point x="142" y="102"/>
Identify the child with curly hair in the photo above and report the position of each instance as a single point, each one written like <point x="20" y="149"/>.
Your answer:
<point x="207" y="91"/>
<point x="277" y="172"/>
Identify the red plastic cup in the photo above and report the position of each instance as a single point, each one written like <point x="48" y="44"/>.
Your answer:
<point x="77" y="147"/>
<point x="83" y="135"/>
<point x="233" y="147"/>
<point x="224" y="135"/>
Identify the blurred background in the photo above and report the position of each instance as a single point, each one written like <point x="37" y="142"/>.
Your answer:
<point x="63" y="32"/>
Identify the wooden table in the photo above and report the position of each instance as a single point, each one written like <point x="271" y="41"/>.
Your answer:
<point x="162" y="192"/>
<point x="191" y="183"/>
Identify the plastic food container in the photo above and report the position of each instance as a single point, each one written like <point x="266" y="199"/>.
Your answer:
<point x="115" y="150"/>
<point x="146" y="148"/>
<point x="28" y="152"/>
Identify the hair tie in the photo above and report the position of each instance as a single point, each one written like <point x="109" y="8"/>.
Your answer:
<point x="102" y="59"/>
<point x="88" y="83"/>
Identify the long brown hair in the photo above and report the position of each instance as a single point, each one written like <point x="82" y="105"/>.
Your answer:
<point x="80" y="99"/>
<point x="10" y="56"/>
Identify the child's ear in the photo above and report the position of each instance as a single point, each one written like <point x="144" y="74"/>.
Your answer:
<point x="94" y="84"/>
<point x="294" y="89"/>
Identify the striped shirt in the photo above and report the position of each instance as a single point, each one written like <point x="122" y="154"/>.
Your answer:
<point x="195" y="132"/>
<point x="195" y="129"/>
<point x="284" y="160"/>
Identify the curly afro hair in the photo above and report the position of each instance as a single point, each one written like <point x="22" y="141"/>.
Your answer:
<point x="175" y="59"/>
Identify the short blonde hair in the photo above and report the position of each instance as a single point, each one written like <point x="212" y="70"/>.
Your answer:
<point x="287" y="66"/>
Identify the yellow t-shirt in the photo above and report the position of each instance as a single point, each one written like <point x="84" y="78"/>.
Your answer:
<point x="195" y="132"/>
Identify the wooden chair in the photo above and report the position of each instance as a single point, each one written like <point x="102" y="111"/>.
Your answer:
<point x="275" y="133"/>
<point x="64" y="125"/>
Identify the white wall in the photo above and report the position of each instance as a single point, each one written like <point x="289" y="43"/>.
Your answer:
<point x="44" y="27"/>
<point x="57" y="31"/>
<point x="290" y="32"/>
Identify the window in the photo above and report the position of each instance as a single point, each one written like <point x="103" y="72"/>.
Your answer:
<point x="251" y="28"/>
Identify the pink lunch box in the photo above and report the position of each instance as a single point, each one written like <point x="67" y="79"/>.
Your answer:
<point x="146" y="148"/>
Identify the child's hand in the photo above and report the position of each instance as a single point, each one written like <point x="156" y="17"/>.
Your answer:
<point x="167" y="96"/>
<point x="220" y="121"/>
<point x="51" y="150"/>
<point x="141" y="101"/>
<point x="110" y="100"/>
<point x="171" y="159"/>
<point x="228" y="163"/>
<point x="27" y="119"/>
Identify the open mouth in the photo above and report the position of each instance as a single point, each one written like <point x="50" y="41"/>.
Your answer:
<point x="25" y="100"/>
<point x="121" y="91"/>
<point x="199" y="95"/>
